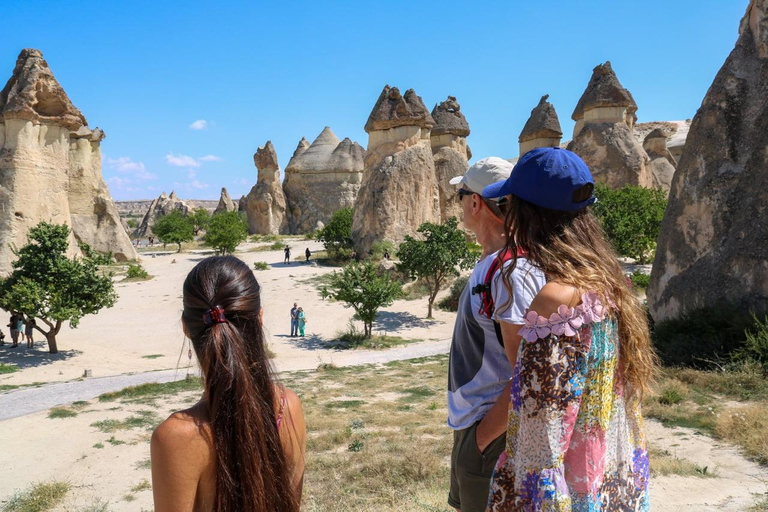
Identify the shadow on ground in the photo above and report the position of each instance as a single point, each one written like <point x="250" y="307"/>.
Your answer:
<point x="309" y="342"/>
<point x="394" y="321"/>
<point x="24" y="357"/>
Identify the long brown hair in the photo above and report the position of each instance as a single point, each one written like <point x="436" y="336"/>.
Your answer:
<point x="571" y="248"/>
<point x="252" y="472"/>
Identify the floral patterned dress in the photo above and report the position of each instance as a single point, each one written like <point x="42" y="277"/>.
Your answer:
<point x="573" y="442"/>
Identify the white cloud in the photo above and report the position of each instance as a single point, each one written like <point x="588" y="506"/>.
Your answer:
<point x="191" y="174"/>
<point x="181" y="160"/>
<point x="118" y="181"/>
<point x="190" y="185"/>
<point x="197" y="185"/>
<point x="210" y="158"/>
<point x="200" y="124"/>
<point x="137" y="170"/>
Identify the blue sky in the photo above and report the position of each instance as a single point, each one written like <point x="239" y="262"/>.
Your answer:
<point x="247" y="71"/>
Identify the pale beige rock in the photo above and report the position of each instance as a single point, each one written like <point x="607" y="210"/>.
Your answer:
<point x="603" y="136"/>
<point x="321" y="179"/>
<point x="399" y="190"/>
<point x="677" y="132"/>
<point x="448" y="140"/>
<point x="50" y="166"/>
<point x="226" y="204"/>
<point x="662" y="163"/>
<point x="161" y="206"/>
<point x="265" y="204"/>
<point x="712" y="250"/>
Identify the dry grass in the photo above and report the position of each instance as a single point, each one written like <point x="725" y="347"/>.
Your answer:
<point x="664" y="463"/>
<point x="748" y="427"/>
<point x="39" y="497"/>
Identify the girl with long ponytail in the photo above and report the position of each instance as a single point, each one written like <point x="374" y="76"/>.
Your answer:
<point x="241" y="448"/>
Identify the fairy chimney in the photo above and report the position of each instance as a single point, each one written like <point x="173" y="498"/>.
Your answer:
<point x="662" y="163"/>
<point x="450" y="152"/>
<point x="265" y="204"/>
<point x="399" y="190"/>
<point x="226" y="204"/>
<point x="542" y="129"/>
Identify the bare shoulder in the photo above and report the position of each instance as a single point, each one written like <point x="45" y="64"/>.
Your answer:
<point x="553" y="295"/>
<point x="183" y="431"/>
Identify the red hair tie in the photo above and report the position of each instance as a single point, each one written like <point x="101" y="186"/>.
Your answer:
<point x="214" y="315"/>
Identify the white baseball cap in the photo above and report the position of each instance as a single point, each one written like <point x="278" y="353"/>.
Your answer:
<point x="483" y="173"/>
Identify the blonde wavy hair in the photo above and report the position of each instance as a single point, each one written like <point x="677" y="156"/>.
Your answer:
<point x="571" y="248"/>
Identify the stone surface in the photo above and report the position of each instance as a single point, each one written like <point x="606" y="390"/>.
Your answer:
<point x="265" y="204"/>
<point x="450" y="152"/>
<point x="542" y="128"/>
<point x="393" y="109"/>
<point x="662" y="163"/>
<point x="712" y="248"/>
<point x="399" y="190"/>
<point x="161" y="206"/>
<point x="603" y="136"/>
<point x="50" y="166"/>
<point x="226" y="204"/>
<point x="677" y="132"/>
<point x="320" y="179"/>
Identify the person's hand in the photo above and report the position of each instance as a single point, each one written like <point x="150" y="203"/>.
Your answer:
<point x="482" y="437"/>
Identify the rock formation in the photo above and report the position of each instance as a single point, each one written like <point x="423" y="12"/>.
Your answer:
<point x="662" y="163"/>
<point x="542" y="129"/>
<point x="50" y="166"/>
<point x="320" y="179"/>
<point x="677" y="132"/>
<point x="450" y="152"/>
<point x="161" y="206"/>
<point x="265" y="203"/>
<point x="712" y="249"/>
<point x="603" y="137"/>
<point x="226" y="204"/>
<point x="399" y="190"/>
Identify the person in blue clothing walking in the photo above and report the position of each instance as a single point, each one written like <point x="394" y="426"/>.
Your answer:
<point x="294" y="320"/>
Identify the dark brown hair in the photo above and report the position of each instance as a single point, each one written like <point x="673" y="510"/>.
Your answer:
<point x="252" y="472"/>
<point x="571" y="248"/>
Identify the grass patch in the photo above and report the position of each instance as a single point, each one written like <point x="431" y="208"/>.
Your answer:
<point x="144" y="485"/>
<point x="344" y="404"/>
<point x="416" y="290"/>
<point x="61" y="412"/>
<point x="136" y="272"/>
<point x="352" y="338"/>
<point x="152" y="356"/>
<point x="114" y="441"/>
<point x="40" y="497"/>
<point x="99" y="446"/>
<point x="143" y="464"/>
<point x="260" y="265"/>
<point x="663" y="463"/>
<point x="154" y="389"/>
<point x="747" y="427"/>
<point x="145" y="419"/>
<point x="8" y="368"/>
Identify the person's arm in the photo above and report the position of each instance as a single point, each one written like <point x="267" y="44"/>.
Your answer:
<point x="494" y="423"/>
<point x="176" y="467"/>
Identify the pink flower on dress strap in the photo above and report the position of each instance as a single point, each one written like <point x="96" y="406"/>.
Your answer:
<point x="592" y="309"/>
<point x="566" y="321"/>
<point x="535" y="327"/>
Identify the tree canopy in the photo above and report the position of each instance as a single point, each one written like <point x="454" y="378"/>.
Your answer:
<point x="200" y="218"/>
<point x="47" y="285"/>
<point x="337" y="234"/>
<point x="365" y="288"/>
<point x="174" y="228"/>
<point x="440" y="254"/>
<point x="226" y="231"/>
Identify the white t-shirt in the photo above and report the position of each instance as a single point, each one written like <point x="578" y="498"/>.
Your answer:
<point x="478" y="369"/>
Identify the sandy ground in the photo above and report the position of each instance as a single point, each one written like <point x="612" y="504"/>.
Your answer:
<point x="145" y="321"/>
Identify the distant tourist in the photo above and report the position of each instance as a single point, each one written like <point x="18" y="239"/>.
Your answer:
<point x="575" y="437"/>
<point x="302" y="318"/>
<point x="294" y="320"/>
<point x="386" y="254"/>
<point x="482" y="346"/>
<point x="13" y="324"/>
<point x="30" y="331"/>
<point x="241" y="447"/>
<point x="20" y="326"/>
<point x="287" y="252"/>
<point x="307" y="253"/>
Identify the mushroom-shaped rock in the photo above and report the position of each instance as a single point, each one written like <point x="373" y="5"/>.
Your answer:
<point x="542" y="128"/>
<point x="662" y="163"/>
<point x="604" y="91"/>
<point x="449" y="119"/>
<point x="265" y="204"/>
<point x="450" y="151"/>
<point x="711" y="249"/>
<point x="265" y="158"/>
<point x="393" y="109"/>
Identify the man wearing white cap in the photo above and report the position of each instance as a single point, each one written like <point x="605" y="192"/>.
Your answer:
<point x="479" y="369"/>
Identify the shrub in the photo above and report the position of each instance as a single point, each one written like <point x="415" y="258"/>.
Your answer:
<point x="756" y="342"/>
<point x="379" y="247"/>
<point x="277" y="246"/>
<point x="337" y="235"/>
<point x="261" y="265"/>
<point x="451" y="302"/>
<point x="225" y="231"/>
<point x="639" y="279"/>
<point x="136" y="271"/>
<point x="174" y="228"/>
<point x="631" y="217"/>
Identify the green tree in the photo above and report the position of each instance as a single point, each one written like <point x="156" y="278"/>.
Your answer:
<point x="441" y="253"/>
<point x="174" y="228"/>
<point x="631" y="218"/>
<point x="47" y="285"/>
<point x="200" y="220"/>
<point x="337" y="234"/>
<point x="132" y="223"/>
<point x="226" y="231"/>
<point x="364" y="287"/>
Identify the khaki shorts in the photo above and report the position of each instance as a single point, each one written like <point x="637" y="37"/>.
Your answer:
<point x="471" y="470"/>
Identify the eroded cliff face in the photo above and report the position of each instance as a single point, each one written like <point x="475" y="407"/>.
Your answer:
<point x="50" y="166"/>
<point x="399" y="190"/>
<point x="265" y="204"/>
<point x="712" y="248"/>
<point x="320" y="179"/>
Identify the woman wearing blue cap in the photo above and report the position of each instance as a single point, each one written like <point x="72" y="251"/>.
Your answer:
<point x="575" y="437"/>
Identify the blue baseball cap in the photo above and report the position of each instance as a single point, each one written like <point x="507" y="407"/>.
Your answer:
<point x="546" y="177"/>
